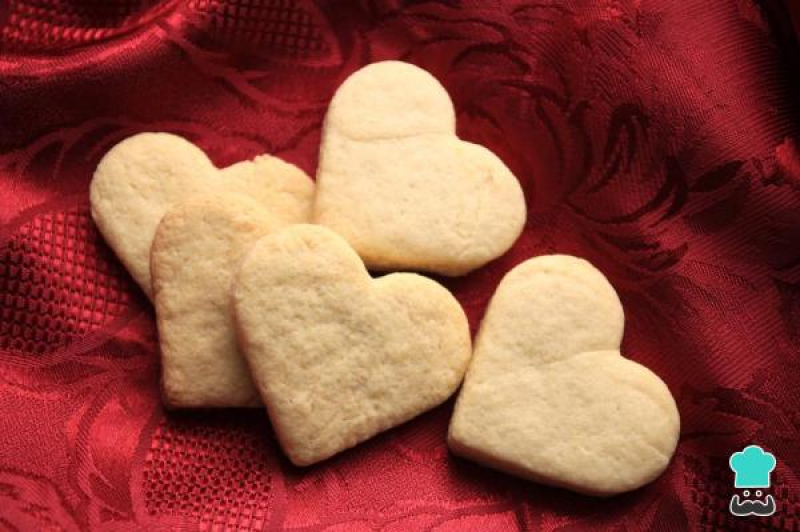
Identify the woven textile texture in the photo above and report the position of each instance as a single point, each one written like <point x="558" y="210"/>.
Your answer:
<point x="660" y="139"/>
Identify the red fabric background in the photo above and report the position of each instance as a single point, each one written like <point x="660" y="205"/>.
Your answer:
<point x="658" y="139"/>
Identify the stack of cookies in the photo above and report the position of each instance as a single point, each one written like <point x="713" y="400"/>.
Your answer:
<point x="260" y="281"/>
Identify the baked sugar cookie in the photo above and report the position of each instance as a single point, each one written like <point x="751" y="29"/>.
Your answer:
<point x="281" y="187"/>
<point x="396" y="182"/>
<point x="548" y="395"/>
<point x="142" y="176"/>
<point x="197" y="248"/>
<point x="338" y="356"/>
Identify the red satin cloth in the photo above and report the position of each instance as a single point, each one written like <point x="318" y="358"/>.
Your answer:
<point x="658" y="139"/>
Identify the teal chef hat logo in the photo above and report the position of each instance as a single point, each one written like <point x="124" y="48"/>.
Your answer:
<point x="753" y="467"/>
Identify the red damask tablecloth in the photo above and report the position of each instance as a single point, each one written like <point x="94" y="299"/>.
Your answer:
<point x="658" y="139"/>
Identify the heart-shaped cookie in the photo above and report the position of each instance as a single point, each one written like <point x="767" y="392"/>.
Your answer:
<point x="401" y="188"/>
<point x="337" y="356"/>
<point x="196" y="251"/>
<point x="548" y="395"/>
<point x="142" y="176"/>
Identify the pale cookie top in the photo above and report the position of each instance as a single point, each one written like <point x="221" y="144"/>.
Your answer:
<point x="134" y="184"/>
<point x="142" y="176"/>
<point x="196" y="251"/>
<point x="284" y="189"/>
<point x="338" y="356"/>
<point x="548" y="395"/>
<point x="391" y="100"/>
<point x="396" y="182"/>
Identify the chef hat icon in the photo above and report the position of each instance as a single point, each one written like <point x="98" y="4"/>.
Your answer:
<point x="752" y="466"/>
